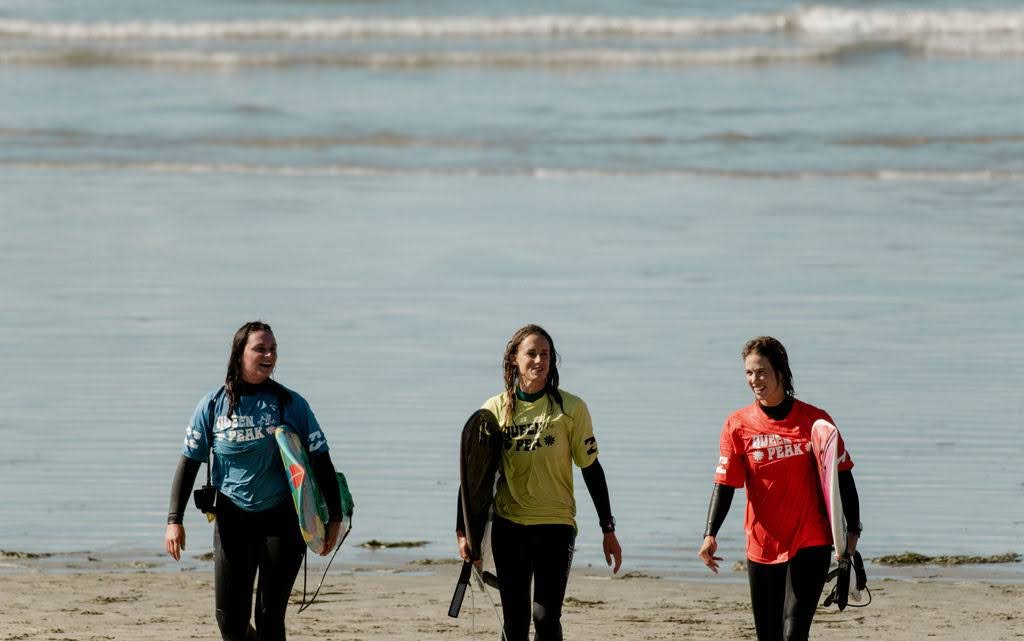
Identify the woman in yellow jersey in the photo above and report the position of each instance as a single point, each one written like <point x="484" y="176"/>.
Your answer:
<point x="545" y="430"/>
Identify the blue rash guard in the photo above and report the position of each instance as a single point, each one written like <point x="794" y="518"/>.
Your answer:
<point x="247" y="464"/>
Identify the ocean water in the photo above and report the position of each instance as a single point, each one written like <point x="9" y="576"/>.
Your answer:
<point x="397" y="187"/>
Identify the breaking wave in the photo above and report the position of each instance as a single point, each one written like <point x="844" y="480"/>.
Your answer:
<point x="811" y="20"/>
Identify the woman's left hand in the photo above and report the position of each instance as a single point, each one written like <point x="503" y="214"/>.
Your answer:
<point x="333" y="530"/>
<point x="612" y="550"/>
<point x="851" y="543"/>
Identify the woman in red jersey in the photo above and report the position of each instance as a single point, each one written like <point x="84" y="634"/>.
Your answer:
<point x="766" y="448"/>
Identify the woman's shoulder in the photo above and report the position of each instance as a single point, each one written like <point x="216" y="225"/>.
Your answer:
<point x="571" y="402"/>
<point x="211" y="396"/>
<point x="743" y="414"/>
<point x="494" y="404"/>
<point x="293" y="396"/>
<point x="811" y="411"/>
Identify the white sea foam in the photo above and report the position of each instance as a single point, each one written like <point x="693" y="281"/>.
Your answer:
<point x="823" y="20"/>
<point x="550" y="173"/>
<point x="957" y="46"/>
<point x="815" y="20"/>
<point x="447" y="27"/>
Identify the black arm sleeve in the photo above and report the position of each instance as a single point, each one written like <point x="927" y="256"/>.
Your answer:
<point x="721" y="499"/>
<point x="327" y="479"/>
<point x="851" y="501"/>
<point x="181" y="487"/>
<point x="460" y="519"/>
<point x="593" y="476"/>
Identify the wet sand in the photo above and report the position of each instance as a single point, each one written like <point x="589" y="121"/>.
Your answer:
<point x="411" y="601"/>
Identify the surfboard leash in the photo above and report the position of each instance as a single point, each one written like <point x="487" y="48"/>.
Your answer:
<point x="860" y="581"/>
<point x="487" y="579"/>
<point x="305" y="559"/>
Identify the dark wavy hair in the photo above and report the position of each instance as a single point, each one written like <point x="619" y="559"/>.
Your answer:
<point x="773" y="350"/>
<point x="233" y="378"/>
<point x="511" y="372"/>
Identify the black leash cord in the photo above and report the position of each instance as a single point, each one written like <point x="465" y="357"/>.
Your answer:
<point x="306" y="604"/>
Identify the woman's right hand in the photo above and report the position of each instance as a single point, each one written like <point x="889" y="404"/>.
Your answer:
<point x="463" y="542"/>
<point x="707" y="553"/>
<point x="174" y="540"/>
<point x="460" y="536"/>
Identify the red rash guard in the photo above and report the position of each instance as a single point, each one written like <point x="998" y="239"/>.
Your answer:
<point x="785" y="510"/>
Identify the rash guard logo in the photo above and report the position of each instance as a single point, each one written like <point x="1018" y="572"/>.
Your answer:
<point x="772" y="447"/>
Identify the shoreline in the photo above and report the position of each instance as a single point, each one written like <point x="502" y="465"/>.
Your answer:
<point x="410" y="601"/>
<point x="388" y="562"/>
<point x="395" y="557"/>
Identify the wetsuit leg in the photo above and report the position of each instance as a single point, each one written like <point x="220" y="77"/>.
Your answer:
<point x="807" y="570"/>
<point x="236" y="555"/>
<point x="552" y="547"/>
<point x="511" y="550"/>
<point x="767" y="598"/>
<point x="280" y="557"/>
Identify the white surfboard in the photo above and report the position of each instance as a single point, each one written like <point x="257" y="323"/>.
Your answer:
<point x="825" y="445"/>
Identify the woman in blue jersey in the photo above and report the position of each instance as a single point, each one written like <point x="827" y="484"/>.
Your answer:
<point x="256" y="531"/>
<point x="545" y="430"/>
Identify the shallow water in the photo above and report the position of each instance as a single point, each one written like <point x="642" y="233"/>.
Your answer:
<point x="396" y="222"/>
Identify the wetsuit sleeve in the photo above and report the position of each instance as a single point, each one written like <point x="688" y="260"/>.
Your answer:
<point x="460" y="519"/>
<point x="327" y="480"/>
<point x="721" y="499"/>
<point x="181" y="487"/>
<point x="597" y="485"/>
<point x="851" y="501"/>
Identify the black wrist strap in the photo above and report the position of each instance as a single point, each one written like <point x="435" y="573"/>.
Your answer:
<point x="209" y="436"/>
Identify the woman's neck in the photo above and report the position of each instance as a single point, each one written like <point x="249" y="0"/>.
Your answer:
<point x="778" y="411"/>
<point x="527" y="397"/>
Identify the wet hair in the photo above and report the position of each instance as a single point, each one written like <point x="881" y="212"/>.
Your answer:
<point x="233" y="378"/>
<point x="773" y="350"/>
<point x="511" y="371"/>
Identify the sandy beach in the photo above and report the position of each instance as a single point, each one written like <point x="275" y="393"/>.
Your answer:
<point x="410" y="602"/>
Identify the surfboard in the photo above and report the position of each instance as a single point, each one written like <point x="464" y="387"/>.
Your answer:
<point x="310" y="505"/>
<point x="479" y="458"/>
<point x="825" y="445"/>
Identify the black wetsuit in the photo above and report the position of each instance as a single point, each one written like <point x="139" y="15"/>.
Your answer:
<point x="267" y="543"/>
<point x="544" y="554"/>
<point x="785" y="595"/>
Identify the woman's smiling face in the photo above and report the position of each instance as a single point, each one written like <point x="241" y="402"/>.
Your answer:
<point x="533" y="360"/>
<point x="763" y="380"/>
<point x="259" y="357"/>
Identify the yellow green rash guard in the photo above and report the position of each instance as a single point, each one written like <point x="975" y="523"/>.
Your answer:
<point x="540" y="444"/>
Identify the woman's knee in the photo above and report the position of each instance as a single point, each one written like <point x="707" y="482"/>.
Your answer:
<point x="232" y="626"/>
<point x="547" y="621"/>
